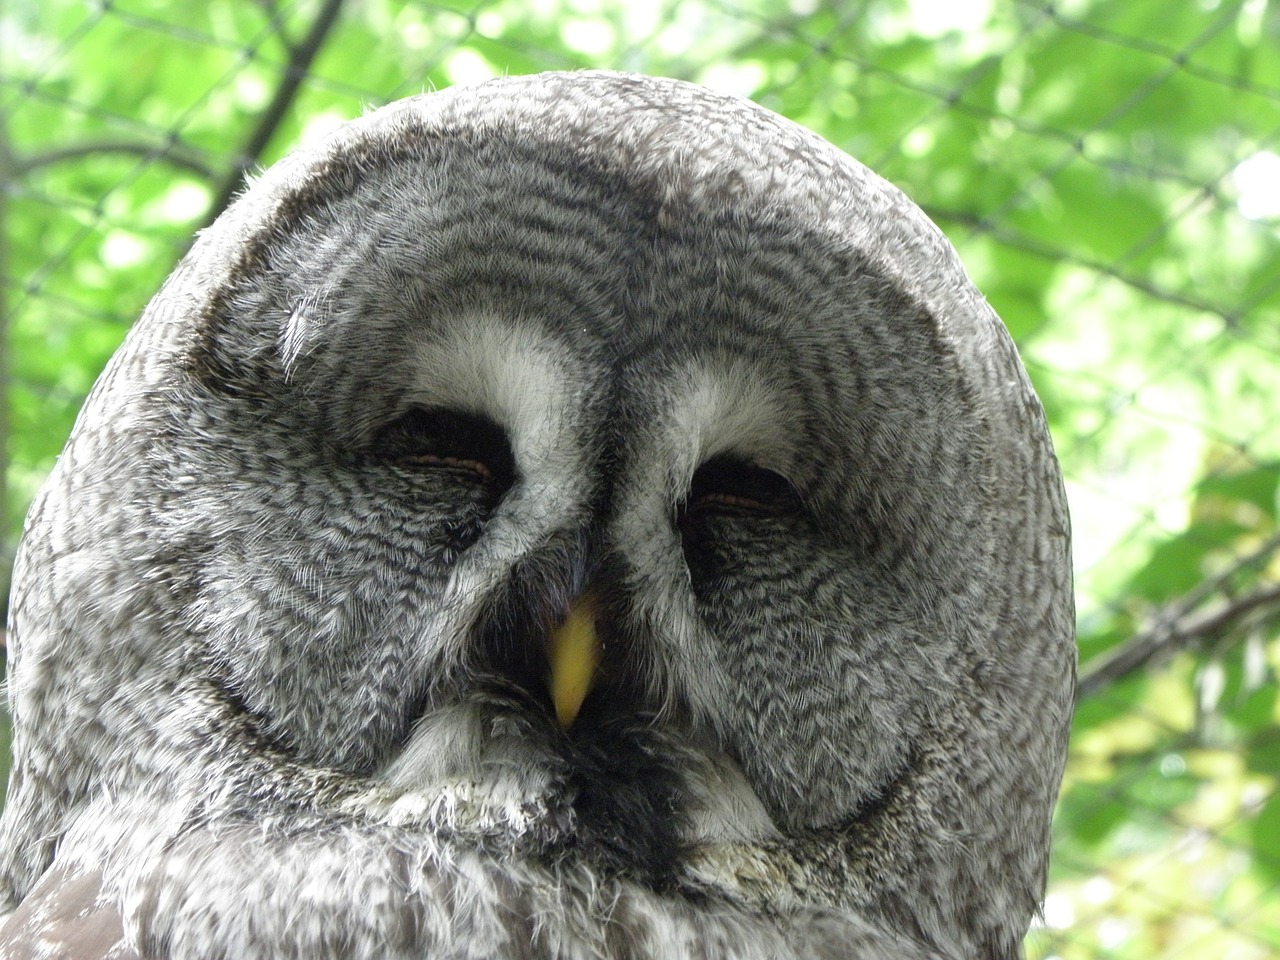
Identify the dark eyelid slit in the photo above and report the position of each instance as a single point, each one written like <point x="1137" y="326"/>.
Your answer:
<point x="734" y="504"/>
<point x="460" y="442"/>
<point x="732" y="486"/>
<point x="459" y="464"/>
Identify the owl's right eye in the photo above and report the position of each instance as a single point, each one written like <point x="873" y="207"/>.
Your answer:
<point x="465" y="445"/>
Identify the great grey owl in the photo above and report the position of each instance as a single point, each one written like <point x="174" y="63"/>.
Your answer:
<point x="574" y="380"/>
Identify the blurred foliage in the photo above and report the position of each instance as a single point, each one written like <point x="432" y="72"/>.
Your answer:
<point x="1109" y="171"/>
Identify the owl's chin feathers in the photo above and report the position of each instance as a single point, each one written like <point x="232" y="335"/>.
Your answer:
<point x="476" y="769"/>
<point x="531" y="855"/>
<point x="231" y="891"/>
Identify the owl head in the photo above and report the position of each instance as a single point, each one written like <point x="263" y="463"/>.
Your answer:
<point x="574" y="382"/>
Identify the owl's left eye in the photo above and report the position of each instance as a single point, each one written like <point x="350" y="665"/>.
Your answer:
<point x="734" y="514"/>
<point x="730" y="486"/>
<point x="468" y="445"/>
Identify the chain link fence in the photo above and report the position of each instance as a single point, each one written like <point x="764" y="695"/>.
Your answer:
<point x="1109" y="171"/>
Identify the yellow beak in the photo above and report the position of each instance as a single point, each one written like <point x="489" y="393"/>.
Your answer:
<point x="573" y="650"/>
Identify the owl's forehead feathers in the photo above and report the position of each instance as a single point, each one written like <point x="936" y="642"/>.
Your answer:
<point x="586" y="189"/>
<point x="684" y="149"/>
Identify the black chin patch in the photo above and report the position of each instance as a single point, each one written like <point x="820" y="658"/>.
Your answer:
<point x="629" y="801"/>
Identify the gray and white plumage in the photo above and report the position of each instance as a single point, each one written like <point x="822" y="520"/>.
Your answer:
<point x="277" y="669"/>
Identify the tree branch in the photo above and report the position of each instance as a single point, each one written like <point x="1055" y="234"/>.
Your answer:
<point x="1177" y="628"/>
<point x="1211" y="585"/>
<point x="180" y="157"/>
<point x="300" y="57"/>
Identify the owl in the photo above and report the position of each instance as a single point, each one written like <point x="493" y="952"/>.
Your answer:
<point x="573" y="516"/>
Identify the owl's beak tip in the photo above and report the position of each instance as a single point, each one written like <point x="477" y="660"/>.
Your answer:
<point x="573" y="652"/>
